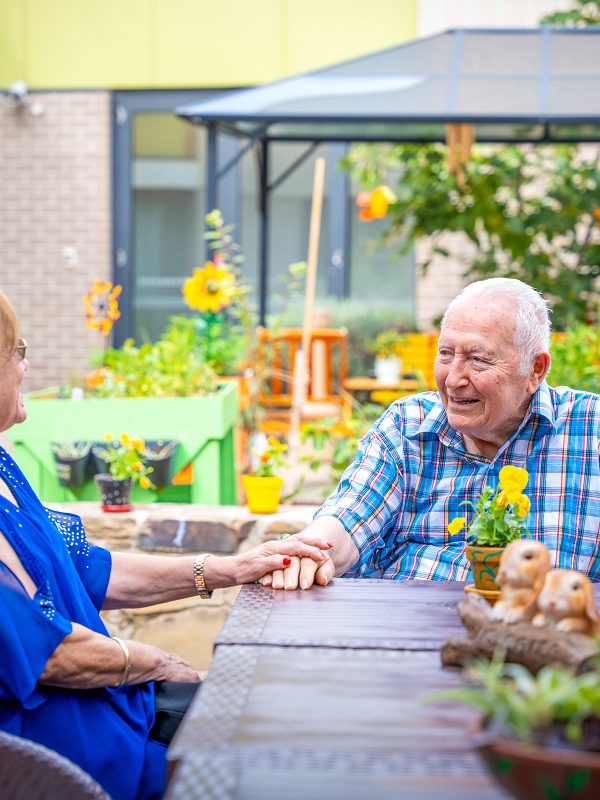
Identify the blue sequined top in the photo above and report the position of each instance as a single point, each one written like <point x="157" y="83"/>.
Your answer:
<point x="104" y="731"/>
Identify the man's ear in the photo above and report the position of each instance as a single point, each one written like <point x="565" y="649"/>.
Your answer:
<point x="539" y="370"/>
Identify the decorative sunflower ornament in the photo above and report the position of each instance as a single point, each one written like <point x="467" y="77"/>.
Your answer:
<point x="102" y="306"/>
<point x="211" y="288"/>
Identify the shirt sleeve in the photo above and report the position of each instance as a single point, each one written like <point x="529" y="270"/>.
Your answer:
<point x="28" y="637"/>
<point x="366" y="503"/>
<point x="93" y="564"/>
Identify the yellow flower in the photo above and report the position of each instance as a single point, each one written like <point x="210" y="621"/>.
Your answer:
<point x="211" y="288"/>
<point x="145" y="482"/>
<point x="101" y="306"/>
<point x="125" y="440"/>
<point x="375" y="204"/>
<point x="139" y="445"/>
<point x="457" y="524"/>
<point x="109" y="437"/>
<point x="138" y="466"/>
<point x="523" y="505"/>
<point x="502" y="500"/>
<point x="513" y="480"/>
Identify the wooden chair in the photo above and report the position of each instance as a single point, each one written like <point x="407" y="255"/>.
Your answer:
<point x="327" y="366"/>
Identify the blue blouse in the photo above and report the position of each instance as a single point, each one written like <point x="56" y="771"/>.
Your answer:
<point x="105" y="731"/>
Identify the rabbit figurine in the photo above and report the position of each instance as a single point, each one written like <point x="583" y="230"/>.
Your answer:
<point x="521" y="572"/>
<point x="567" y="603"/>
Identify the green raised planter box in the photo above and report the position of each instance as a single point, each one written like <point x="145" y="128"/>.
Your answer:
<point x="202" y="425"/>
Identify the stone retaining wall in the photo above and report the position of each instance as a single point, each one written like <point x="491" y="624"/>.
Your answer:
<point x="186" y="627"/>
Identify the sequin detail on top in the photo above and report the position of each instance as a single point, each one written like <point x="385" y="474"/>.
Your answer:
<point x="71" y="529"/>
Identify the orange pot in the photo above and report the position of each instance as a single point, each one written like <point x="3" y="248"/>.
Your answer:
<point x="484" y="565"/>
<point x="262" y="494"/>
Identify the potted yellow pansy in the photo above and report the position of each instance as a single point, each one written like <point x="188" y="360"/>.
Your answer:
<point x="263" y="486"/>
<point x="125" y="467"/>
<point x="499" y="517"/>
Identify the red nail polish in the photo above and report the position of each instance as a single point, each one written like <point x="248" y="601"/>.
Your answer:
<point x="287" y="561"/>
<point x="330" y="544"/>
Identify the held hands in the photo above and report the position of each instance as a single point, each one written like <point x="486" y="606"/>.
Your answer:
<point x="302" y="571"/>
<point x="285" y="555"/>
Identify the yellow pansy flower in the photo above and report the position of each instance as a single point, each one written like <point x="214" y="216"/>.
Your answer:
<point x="502" y="500"/>
<point x="139" y="445"/>
<point x="125" y="440"/>
<point x="108" y="437"/>
<point x="513" y="480"/>
<point x="145" y="482"/>
<point x="523" y="505"/>
<point x="457" y="524"/>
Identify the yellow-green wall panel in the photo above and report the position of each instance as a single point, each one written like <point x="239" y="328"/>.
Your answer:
<point x="324" y="32"/>
<point x="232" y="43"/>
<point x="187" y="43"/>
<point x="91" y="43"/>
<point x="12" y="41"/>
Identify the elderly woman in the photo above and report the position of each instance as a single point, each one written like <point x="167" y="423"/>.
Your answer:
<point x="64" y="681"/>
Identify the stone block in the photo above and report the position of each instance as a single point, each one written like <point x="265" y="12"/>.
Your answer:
<point x="193" y="535"/>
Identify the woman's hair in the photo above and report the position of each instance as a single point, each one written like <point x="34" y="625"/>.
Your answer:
<point x="532" y="326"/>
<point x="9" y="328"/>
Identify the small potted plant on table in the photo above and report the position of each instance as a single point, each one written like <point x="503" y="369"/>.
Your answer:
<point x="263" y="486"/>
<point x="387" y="347"/>
<point x="126" y="467"/>
<point x="499" y="519"/>
<point x="539" y="735"/>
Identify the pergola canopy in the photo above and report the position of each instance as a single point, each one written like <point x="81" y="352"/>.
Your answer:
<point x="539" y="84"/>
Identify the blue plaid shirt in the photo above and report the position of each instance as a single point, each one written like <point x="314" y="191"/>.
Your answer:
<point x="412" y="473"/>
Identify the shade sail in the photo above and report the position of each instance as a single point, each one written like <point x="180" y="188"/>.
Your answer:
<point x="539" y="84"/>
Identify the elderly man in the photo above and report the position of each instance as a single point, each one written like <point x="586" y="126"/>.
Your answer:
<point x="430" y="452"/>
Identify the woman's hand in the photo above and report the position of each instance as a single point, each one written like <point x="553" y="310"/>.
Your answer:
<point x="262" y="560"/>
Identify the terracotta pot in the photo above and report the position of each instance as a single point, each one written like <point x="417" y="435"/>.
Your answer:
<point x="262" y="494"/>
<point x="484" y="566"/>
<point x="531" y="772"/>
<point x="115" y="493"/>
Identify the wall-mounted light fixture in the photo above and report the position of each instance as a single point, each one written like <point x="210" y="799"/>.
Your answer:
<point x="17" y="96"/>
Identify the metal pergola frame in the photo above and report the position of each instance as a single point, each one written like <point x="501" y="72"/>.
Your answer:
<point x="254" y="114"/>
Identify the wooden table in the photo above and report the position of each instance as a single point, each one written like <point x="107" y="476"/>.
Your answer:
<point x="320" y="694"/>
<point x="371" y="386"/>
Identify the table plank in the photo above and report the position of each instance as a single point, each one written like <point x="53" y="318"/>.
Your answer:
<point x="275" y="722"/>
<point x="355" y="613"/>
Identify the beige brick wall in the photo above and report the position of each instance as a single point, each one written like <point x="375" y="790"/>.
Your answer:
<point x="55" y="179"/>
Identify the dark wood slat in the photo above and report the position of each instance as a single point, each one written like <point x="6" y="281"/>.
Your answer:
<point x="275" y="722"/>
<point x="394" y="615"/>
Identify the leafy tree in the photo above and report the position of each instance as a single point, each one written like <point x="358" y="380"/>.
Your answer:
<point x="531" y="212"/>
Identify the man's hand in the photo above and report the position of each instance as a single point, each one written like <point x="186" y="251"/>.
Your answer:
<point x="303" y="573"/>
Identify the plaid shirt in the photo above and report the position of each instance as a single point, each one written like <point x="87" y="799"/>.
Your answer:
<point x="412" y="473"/>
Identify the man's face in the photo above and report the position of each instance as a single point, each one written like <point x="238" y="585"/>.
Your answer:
<point x="477" y="371"/>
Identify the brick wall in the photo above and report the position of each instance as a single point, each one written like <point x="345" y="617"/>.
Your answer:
<point x="54" y="196"/>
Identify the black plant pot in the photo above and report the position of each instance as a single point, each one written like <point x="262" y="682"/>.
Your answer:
<point x="100" y="465"/>
<point x="72" y="472"/>
<point x="115" y="493"/>
<point x="159" y="456"/>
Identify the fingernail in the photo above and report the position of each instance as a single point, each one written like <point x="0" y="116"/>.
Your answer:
<point x="325" y="580"/>
<point x="330" y="544"/>
<point x="287" y="561"/>
<point x="304" y="584"/>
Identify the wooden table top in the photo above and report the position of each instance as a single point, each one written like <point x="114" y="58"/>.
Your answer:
<point x="353" y="613"/>
<point x="333" y="712"/>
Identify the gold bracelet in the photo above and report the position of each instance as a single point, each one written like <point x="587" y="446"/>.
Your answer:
<point x="127" y="657"/>
<point x="204" y="593"/>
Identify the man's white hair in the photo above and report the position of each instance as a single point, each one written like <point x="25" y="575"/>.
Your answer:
<point x="532" y="326"/>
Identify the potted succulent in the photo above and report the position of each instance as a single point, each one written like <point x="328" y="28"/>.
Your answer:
<point x="263" y="486"/>
<point x="387" y="347"/>
<point x="539" y="735"/>
<point x="126" y="467"/>
<point x="499" y="517"/>
<point x="72" y="459"/>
